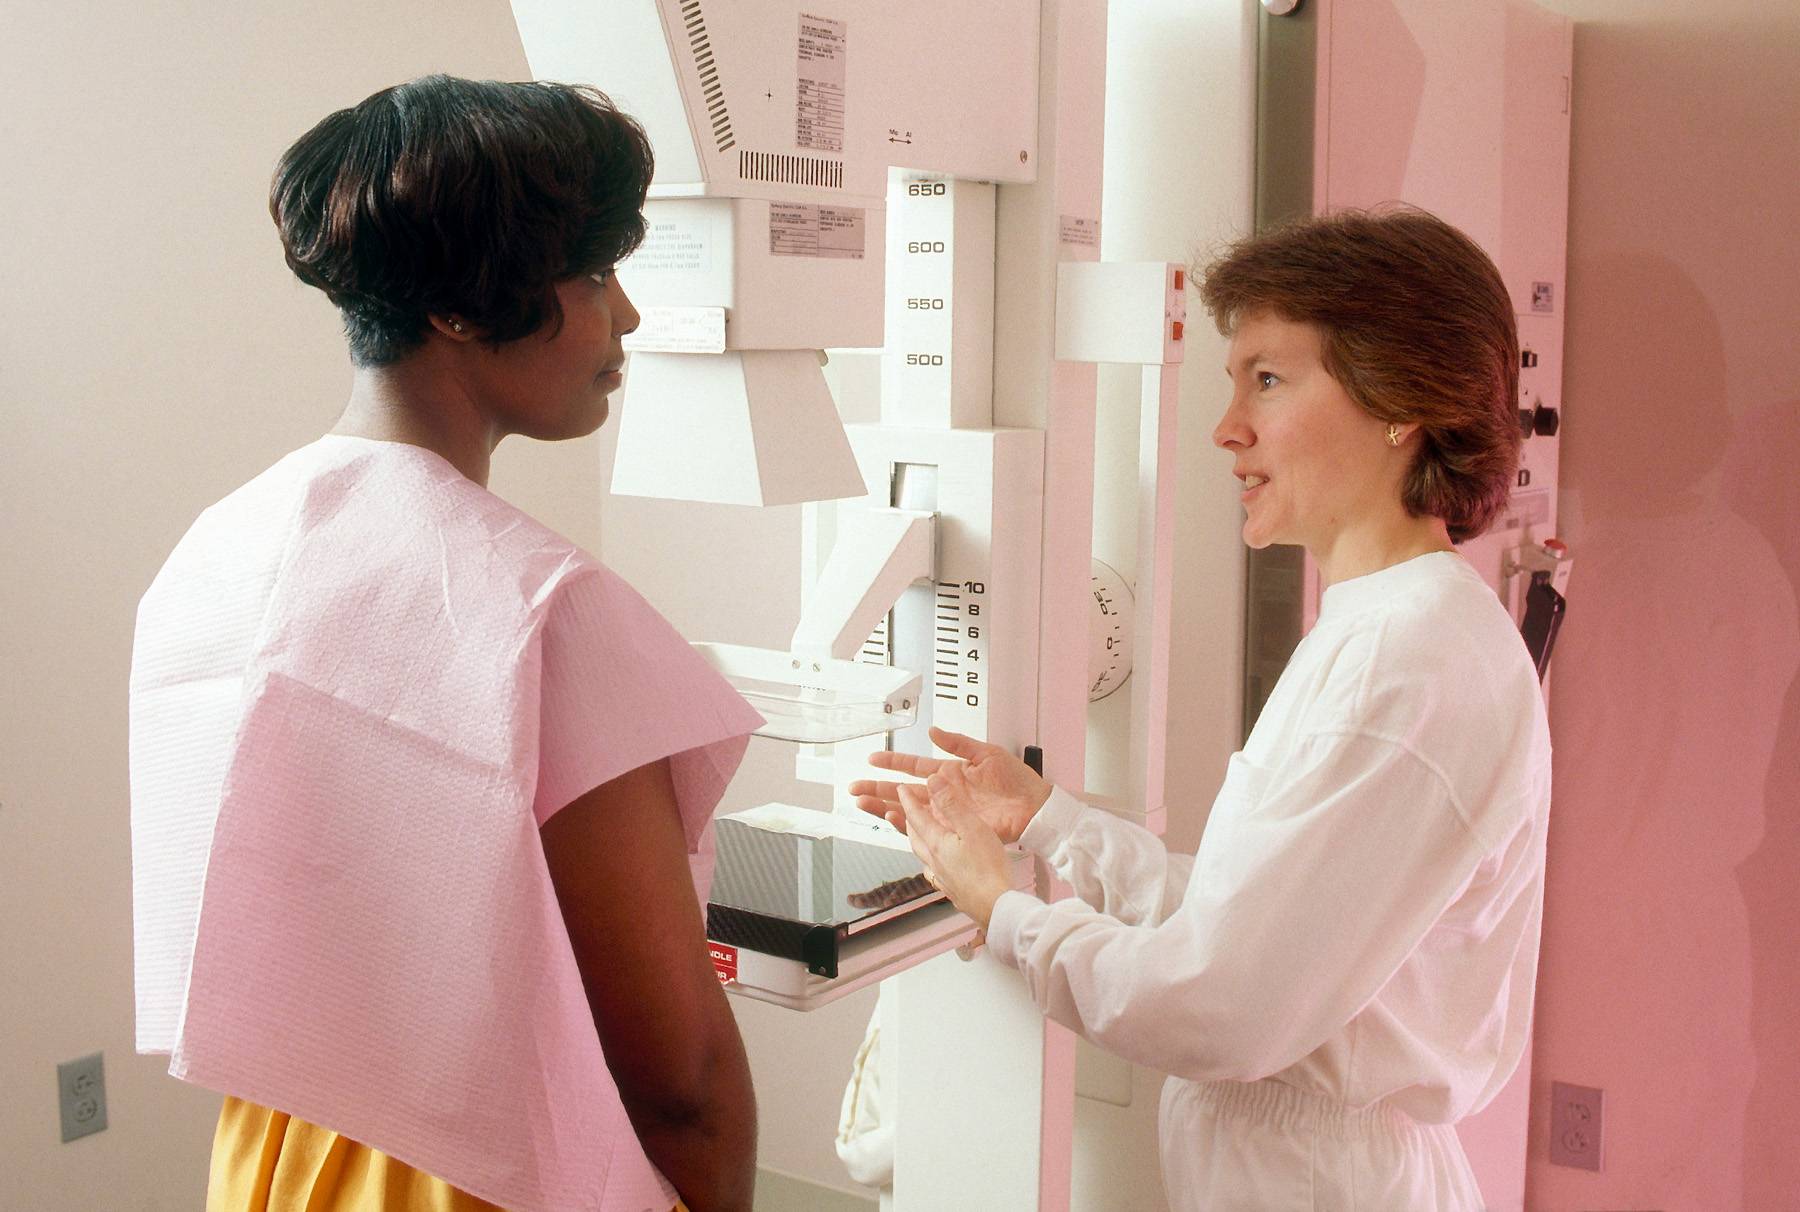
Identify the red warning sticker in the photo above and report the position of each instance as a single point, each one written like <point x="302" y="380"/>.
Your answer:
<point x="724" y="960"/>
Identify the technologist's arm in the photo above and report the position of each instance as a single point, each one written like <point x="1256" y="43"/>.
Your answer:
<point x="1301" y="908"/>
<point x="1120" y="868"/>
<point x="618" y="859"/>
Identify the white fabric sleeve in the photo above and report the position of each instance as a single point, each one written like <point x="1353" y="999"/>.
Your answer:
<point x="1119" y="868"/>
<point x="1313" y="885"/>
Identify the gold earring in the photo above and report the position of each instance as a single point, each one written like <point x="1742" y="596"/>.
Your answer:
<point x="1393" y="435"/>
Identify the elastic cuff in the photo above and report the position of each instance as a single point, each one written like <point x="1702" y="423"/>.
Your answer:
<point x="1052" y="823"/>
<point x="1003" y="926"/>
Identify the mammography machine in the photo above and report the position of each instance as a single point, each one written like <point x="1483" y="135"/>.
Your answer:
<point x="925" y="180"/>
<point x="853" y="175"/>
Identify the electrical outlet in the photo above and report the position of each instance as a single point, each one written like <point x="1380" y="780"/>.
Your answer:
<point x="81" y="1085"/>
<point x="1575" y="1126"/>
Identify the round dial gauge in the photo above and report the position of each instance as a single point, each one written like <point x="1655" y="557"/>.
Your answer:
<point x="1109" y="632"/>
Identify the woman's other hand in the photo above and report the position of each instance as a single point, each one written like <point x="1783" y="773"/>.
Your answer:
<point x="986" y="781"/>
<point x="963" y="856"/>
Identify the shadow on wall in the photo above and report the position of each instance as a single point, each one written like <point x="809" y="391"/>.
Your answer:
<point x="1762" y="486"/>
<point x="1680" y="646"/>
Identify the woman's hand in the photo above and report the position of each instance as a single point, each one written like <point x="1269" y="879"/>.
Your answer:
<point x="963" y="857"/>
<point x="988" y="783"/>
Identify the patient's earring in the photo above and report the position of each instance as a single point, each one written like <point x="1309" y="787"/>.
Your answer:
<point x="457" y="326"/>
<point x="1393" y="432"/>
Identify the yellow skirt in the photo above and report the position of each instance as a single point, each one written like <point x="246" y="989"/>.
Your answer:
<point x="266" y="1161"/>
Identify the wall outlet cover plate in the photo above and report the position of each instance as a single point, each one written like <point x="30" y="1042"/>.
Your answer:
<point x="1575" y="1119"/>
<point x="81" y="1086"/>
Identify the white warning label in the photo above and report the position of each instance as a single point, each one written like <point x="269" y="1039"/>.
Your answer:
<point x="1528" y="508"/>
<point x="674" y="246"/>
<point x="819" y="92"/>
<point x="677" y="330"/>
<point x="797" y="229"/>
<point x="1079" y="230"/>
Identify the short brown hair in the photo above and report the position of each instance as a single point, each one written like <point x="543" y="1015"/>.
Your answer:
<point x="447" y="195"/>
<point x="1418" y="329"/>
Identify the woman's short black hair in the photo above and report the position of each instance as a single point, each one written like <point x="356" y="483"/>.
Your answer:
<point x="468" y="197"/>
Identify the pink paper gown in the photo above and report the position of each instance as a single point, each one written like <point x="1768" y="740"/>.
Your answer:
<point x="359" y="685"/>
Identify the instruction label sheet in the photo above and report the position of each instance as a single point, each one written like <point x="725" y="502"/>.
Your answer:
<point x="819" y="92"/>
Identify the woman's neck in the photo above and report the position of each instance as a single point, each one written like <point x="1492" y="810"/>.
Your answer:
<point x="1358" y="551"/>
<point x="420" y="404"/>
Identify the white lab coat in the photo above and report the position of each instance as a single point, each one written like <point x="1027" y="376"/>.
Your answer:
<point x="1346" y="968"/>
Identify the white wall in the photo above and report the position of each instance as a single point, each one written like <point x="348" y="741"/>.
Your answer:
<point x="1670" y="976"/>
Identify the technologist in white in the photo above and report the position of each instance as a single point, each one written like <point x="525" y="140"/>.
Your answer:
<point x="1346" y="967"/>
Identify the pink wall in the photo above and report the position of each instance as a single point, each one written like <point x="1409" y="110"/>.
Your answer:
<point x="1671" y="962"/>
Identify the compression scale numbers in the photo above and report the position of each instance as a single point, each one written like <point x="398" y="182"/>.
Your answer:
<point x="959" y="639"/>
<point x="959" y="667"/>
